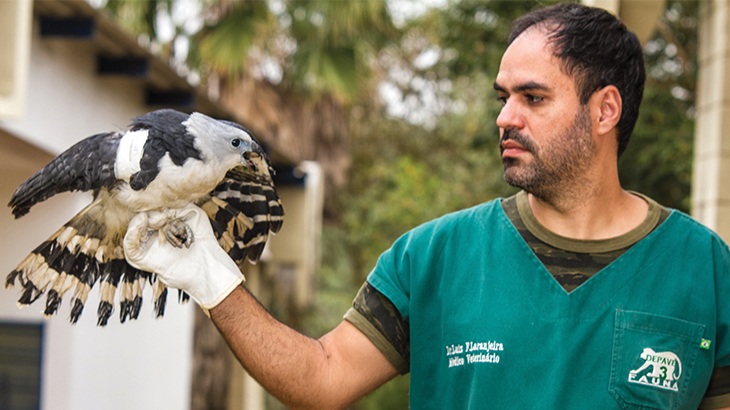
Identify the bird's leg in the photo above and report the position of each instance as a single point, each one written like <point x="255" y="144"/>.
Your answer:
<point x="178" y="233"/>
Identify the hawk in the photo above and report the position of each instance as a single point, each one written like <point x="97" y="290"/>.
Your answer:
<point x="167" y="159"/>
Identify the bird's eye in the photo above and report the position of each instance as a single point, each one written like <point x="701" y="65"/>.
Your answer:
<point x="236" y="142"/>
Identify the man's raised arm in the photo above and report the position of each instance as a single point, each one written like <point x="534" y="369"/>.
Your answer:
<point x="329" y="373"/>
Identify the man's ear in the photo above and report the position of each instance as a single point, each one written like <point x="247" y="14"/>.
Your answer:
<point x="606" y="108"/>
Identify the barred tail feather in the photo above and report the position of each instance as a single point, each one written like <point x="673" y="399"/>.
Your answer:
<point x="243" y="214"/>
<point x="81" y="254"/>
<point x="160" y="294"/>
<point x="112" y="272"/>
<point x="131" y="293"/>
<point x="182" y="296"/>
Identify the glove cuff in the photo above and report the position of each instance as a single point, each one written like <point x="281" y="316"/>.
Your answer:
<point x="227" y="291"/>
<point x="222" y="276"/>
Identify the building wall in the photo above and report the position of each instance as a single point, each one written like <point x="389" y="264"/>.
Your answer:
<point x="143" y="364"/>
<point x="711" y="167"/>
<point x="68" y="101"/>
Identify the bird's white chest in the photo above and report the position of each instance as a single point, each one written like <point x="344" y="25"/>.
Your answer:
<point x="174" y="187"/>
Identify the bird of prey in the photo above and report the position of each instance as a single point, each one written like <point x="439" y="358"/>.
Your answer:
<point x="167" y="159"/>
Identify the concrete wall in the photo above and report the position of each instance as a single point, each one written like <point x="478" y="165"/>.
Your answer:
<point x="15" y="28"/>
<point x="711" y="179"/>
<point x="295" y="250"/>
<point x="138" y="365"/>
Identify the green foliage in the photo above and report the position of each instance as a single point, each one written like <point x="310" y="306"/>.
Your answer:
<point x="340" y="23"/>
<point x="658" y="160"/>
<point x="224" y="45"/>
<point x="334" y="41"/>
<point x="404" y="175"/>
<point x="476" y="31"/>
<point x="335" y="289"/>
<point x="324" y="70"/>
<point x="137" y="16"/>
<point x="393" y="395"/>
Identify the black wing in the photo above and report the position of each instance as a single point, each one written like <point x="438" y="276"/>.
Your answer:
<point x="166" y="135"/>
<point x="87" y="165"/>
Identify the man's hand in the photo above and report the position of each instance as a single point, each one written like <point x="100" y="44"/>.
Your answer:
<point x="203" y="270"/>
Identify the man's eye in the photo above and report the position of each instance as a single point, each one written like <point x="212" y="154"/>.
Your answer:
<point x="502" y="100"/>
<point x="534" y="98"/>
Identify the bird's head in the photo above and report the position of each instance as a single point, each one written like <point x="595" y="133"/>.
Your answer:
<point x="224" y="142"/>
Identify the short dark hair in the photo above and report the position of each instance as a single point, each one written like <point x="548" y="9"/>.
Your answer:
<point x="596" y="49"/>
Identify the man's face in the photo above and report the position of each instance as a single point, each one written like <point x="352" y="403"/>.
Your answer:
<point x="545" y="134"/>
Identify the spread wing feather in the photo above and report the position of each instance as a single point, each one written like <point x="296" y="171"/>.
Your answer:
<point x="88" y="250"/>
<point x="86" y="166"/>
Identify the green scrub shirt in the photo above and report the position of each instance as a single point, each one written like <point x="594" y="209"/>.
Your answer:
<point x="491" y="328"/>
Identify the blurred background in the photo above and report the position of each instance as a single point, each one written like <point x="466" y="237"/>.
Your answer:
<point x="378" y="115"/>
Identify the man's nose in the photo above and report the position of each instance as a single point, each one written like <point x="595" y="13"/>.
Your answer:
<point x="510" y="116"/>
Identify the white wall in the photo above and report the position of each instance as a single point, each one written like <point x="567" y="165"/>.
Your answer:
<point x="143" y="364"/>
<point x="15" y="28"/>
<point x="67" y="101"/>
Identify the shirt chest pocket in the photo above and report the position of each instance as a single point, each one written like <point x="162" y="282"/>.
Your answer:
<point x="652" y="360"/>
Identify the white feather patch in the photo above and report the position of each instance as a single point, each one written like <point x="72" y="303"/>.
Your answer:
<point x="49" y="276"/>
<point x="157" y="289"/>
<point x="81" y="292"/>
<point x="63" y="283"/>
<point x="31" y="263"/>
<point x="137" y="287"/>
<point x="74" y="243"/>
<point x="107" y="292"/>
<point x="261" y="218"/>
<point x="90" y="246"/>
<point x="226" y="241"/>
<point x="101" y="254"/>
<point x="129" y="153"/>
<point x="36" y="277"/>
<point x="66" y="236"/>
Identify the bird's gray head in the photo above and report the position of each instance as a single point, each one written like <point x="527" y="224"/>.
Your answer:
<point x="222" y="141"/>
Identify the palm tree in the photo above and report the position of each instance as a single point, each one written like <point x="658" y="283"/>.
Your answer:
<point x="292" y="73"/>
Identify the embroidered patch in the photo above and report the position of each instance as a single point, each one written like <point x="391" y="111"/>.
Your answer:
<point x="472" y="353"/>
<point x="705" y="344"/>
<point x="661" y="370"/>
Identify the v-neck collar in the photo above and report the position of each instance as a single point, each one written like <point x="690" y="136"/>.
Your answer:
<point x="546" y="295"/>
<point x="588" y="246"/>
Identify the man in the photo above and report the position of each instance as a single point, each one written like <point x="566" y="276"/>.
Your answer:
<point x="572" y="294"/>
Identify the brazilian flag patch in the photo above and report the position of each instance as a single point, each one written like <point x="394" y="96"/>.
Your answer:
<point x="705" y="344"/>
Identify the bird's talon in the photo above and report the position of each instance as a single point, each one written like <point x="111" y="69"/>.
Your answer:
<point x="189" y="236"/>
<point x="178" y="233"/>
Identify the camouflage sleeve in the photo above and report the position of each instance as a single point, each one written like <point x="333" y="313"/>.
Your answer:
<point x="379" y="320"/>
<point x="717" y="395"/>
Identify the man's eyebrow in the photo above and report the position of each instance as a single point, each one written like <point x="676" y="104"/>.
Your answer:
<point x="528" y="86"/>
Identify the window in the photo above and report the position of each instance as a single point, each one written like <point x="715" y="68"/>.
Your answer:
<point x="20" y="366"/>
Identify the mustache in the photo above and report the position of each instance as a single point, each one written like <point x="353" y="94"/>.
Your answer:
<point x="515" y="136"/>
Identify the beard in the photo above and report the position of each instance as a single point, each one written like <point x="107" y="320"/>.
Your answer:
<point x="558" y="165"/>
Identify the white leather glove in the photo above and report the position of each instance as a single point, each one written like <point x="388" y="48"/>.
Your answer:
<point x="204" y="270"/>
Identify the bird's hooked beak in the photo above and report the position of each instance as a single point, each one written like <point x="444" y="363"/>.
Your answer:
<point x="251" y="154"/>
<point x="246" y="161"/>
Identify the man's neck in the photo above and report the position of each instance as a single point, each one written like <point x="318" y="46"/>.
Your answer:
<point x="594" y="213"/>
